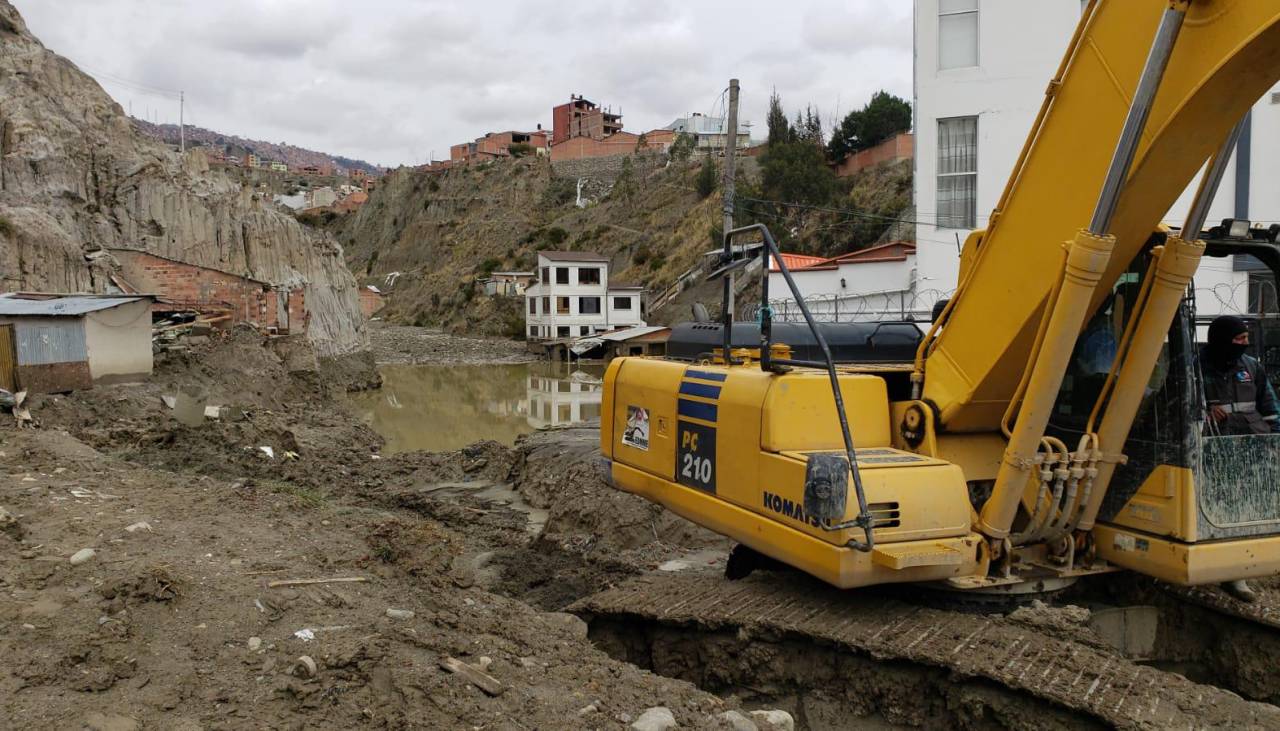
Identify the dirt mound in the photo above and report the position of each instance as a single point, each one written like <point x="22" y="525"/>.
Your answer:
<point x="564" y="472"/>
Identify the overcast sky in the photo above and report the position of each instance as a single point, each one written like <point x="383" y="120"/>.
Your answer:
<point x="394" y="81"/>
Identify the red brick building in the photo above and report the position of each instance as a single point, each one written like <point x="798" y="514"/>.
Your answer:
<point x="581" y="118"/>
<point x="371" y="300"/>
<point x="183" y="286"/>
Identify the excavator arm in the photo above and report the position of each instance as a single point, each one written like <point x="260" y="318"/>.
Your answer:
<point x="1226" y="55"/>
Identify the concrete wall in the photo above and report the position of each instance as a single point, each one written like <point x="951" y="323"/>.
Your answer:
<point x="605" y="168"/>
<point x="118" y="342"/>
<point x="1020" y="46"/>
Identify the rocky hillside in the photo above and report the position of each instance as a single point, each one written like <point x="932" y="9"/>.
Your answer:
<point x="291" y="154"/>
<point x="76" y="177"/>
<point x="442" y="230"/>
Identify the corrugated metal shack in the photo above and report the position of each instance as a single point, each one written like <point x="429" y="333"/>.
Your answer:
<point x="51" y="343"/>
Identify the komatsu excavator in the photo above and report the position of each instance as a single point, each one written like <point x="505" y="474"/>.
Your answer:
<point x="998" y="456"/>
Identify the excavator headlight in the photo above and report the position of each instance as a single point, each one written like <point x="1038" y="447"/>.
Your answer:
<point x="1237" y="228"/>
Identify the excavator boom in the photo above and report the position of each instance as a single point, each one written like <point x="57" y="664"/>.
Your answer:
<point x="1226" y="56"/>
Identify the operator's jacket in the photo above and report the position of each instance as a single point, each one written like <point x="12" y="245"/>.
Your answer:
<point x="1243" y="391"/>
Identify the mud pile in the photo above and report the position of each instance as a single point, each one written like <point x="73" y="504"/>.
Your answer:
<point x="140" y="562"/>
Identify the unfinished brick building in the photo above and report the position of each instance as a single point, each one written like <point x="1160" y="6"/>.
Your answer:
<point x="581" y="118"/>
<point x="181" y="286"/>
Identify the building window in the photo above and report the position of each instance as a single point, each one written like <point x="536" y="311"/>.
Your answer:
<point x="621" y="303"/>
<point x="588" y="306"/>
<point x="562" y="275"/>
<point x="589" y="276"/>
<point x="533" y="306"/>
<point x="957" y="34"/>
<point x="533" y="331"/>
<point x="584" y="330"/>
<point x="546" y="305"/>
<point x="957" y="172"/>
<point x="562" y="305"/>
<point x="1262" y="294"/>
<point x="562" y="331"/>
<point x="546" y="275"/>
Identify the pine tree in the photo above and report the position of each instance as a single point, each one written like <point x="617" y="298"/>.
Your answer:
<point x="779" y="127"/>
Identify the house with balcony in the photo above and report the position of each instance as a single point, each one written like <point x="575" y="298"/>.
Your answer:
<point x="572" y="297"/>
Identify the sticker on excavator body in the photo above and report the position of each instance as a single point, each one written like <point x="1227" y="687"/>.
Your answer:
<point x="637" y="432"/>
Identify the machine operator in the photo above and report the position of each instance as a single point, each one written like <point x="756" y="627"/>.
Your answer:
<point x="1238" y="395"/>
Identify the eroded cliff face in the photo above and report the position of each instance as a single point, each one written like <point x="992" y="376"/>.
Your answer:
<point x="75" y="177"/>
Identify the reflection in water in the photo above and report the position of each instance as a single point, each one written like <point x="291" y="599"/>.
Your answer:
<point x="438" y="408"/>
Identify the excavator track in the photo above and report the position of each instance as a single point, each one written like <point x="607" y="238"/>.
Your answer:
<point x="1071" y="674"/>
<point x="1264" y="611"/>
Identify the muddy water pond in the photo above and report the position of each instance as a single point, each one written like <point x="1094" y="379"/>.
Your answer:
<point x="438" y="408"/>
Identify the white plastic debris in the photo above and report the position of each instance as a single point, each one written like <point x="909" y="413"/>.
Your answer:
<point x="306" y="635"/>
<point x="268" y="451"/>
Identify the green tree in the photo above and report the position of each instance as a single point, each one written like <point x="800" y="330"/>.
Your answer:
<point x="520" y="149"/>
<point x="779" y="128"/>
<point x="797" y="172"/>
<point x="706" y="182"/>
<point x="884" y="116"/>
<point x="793" y="168"/>
<point x="642" y="142"/>
<point x="681" y="147"/>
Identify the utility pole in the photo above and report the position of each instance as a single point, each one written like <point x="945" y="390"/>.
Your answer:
<point x="731" y="145"/>
<point x="182" y="125"/>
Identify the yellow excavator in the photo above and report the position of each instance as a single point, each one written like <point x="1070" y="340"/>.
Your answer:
<point x="991" y="454"/>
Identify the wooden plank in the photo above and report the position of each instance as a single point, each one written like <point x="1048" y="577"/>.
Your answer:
<point x="483" y="681"/>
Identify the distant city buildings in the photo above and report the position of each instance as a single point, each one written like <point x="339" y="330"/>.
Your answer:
<point x="581" y="128"/>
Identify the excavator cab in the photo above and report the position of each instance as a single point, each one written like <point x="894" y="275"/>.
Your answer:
<point x="1181" y="481"/>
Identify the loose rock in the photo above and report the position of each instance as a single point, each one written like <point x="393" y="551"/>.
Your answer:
<point x="10" y="526"/>
<point x="83" y="555"/>
<point x="401" y="613"/>
<point x="658" y="718"/>
<point x="574" y="624"/>
<point x="736" y="721"/>
<point x="774" y="720"/>
<point x="304" y="667"/>
<point x="255" y="643"/>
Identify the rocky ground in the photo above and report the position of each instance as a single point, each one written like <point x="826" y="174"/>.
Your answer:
<point x="406" y="344"/>
<point x="155" y="574"/>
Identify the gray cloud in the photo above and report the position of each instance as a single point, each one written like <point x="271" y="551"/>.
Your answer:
<point x="391" y="81"/>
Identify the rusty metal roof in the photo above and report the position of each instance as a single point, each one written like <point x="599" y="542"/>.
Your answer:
<point x="58" y="305"/>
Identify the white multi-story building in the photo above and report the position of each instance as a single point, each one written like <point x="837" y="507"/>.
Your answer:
<point x="981" y="67"/>
<point x="572" y="297"/>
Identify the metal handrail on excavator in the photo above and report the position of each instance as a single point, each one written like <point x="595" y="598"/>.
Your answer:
<point x="774" y="365"/>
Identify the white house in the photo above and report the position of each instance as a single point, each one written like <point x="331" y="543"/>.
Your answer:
<point x="709" y="133"/>
<point x="981" y="67"/>
<point x="877" y="283"/>
<point x="572" y="297"/>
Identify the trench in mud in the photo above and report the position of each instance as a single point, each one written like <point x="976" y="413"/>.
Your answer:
<point x="828" y="687"/>
<point x="823" y="686"/>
